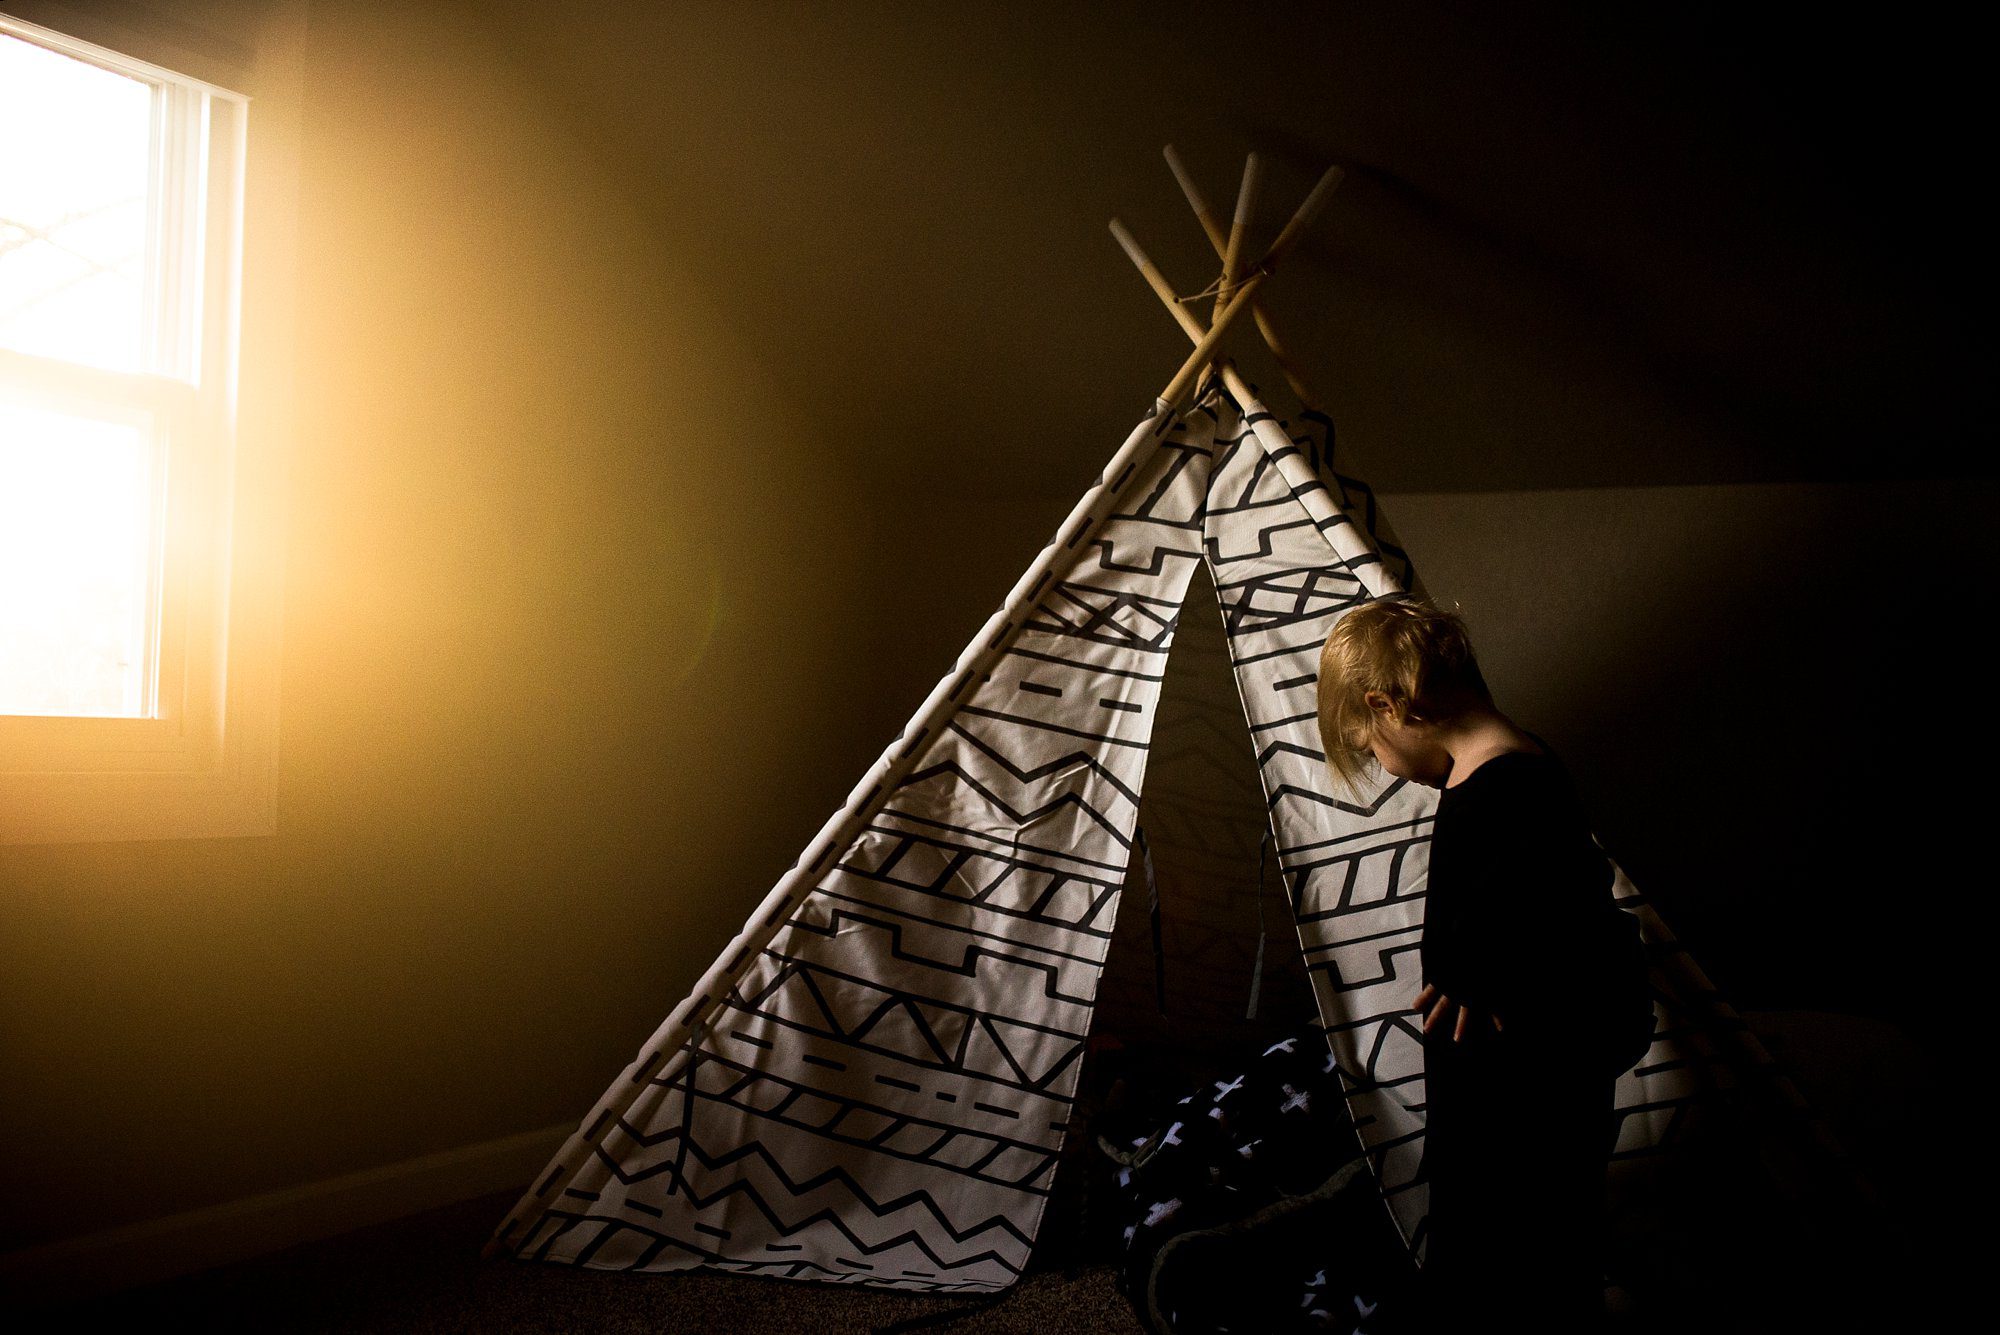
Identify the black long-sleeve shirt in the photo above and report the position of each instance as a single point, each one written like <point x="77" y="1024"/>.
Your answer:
<point x="1519" y="919"/>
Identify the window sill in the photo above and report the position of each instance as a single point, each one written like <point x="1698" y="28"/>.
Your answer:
<point x="210" y="774"/>
<point x="109" y="808"/>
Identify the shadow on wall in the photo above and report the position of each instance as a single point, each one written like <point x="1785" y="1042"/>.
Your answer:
<point x="1759" y="690"/>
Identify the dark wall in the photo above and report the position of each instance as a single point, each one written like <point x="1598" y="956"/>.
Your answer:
<point x="1724" y="669"/>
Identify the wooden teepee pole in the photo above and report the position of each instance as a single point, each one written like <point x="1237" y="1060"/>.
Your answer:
<point x="1191" y="322"/>
<point x="1243" y="299"/>
<point x="1239" y="227"/>
<point x="1217" y="237"/>
<point x="1206" y="340"/>
<point x="1197" y="201"/>
<point x="1308" y="210"/>
<point x="1223" y="241"/>
<point x="1353" y="544"/>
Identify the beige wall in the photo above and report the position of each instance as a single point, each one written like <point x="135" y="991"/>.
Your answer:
<point x="649" y="470"/>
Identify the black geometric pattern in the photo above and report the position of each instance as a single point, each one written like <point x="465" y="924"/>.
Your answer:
<point x="1354" y="867"/>
<point x="872" y="1085"/>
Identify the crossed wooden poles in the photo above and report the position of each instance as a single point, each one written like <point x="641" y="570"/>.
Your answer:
<point x="1236" y="290"/>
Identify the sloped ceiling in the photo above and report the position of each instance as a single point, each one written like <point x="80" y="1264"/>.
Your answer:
<point x="1579" y="246"/>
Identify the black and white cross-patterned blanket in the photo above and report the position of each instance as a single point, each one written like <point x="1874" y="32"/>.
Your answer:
<point x="1249" y="1208"/>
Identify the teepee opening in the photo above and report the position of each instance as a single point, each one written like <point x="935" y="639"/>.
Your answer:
<point x="1218" y="968"/>
<point x="1205" y="975"/>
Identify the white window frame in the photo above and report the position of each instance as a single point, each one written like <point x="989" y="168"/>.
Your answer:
<point x="203" y="764"/>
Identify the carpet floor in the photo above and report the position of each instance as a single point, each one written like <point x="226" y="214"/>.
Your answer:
<point x="423" y="1275"/>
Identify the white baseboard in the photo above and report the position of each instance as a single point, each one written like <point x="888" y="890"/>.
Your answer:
<point x="179" y="1244"/>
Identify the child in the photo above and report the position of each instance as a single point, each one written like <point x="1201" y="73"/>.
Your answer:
<point x="1535" y="993"/>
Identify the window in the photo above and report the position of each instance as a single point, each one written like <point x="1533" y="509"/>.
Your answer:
<point x="121" y="200"/>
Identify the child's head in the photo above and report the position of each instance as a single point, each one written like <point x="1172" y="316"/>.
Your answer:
<point x="1391" y="664"/>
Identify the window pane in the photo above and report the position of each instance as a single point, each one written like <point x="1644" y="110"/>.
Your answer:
<point x="75" y="148"/>
<point x="76" y="544"/>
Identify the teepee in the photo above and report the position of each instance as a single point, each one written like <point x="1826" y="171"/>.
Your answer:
<point x="873" y="1083"/>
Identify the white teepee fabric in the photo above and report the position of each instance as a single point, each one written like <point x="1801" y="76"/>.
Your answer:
<point x="873" y="1083"/>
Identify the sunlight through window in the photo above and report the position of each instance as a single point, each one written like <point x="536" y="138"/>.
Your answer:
<point x="101" y="266"/>
<point x="75" y="178"/>
<point x="76" y="564"/>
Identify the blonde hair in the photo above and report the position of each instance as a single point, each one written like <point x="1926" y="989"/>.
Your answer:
<point x="1408" y="649"/>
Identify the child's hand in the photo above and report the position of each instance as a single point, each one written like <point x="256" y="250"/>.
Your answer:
<point x="1445" y="1009"/>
